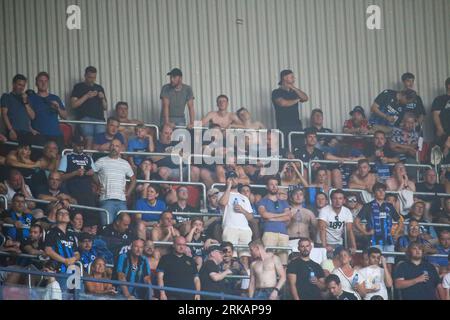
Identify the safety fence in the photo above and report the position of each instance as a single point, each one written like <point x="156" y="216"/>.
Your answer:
<point x="327" y="134"/>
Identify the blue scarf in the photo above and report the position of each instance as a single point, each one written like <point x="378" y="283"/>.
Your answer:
<point x="375" y="223"/>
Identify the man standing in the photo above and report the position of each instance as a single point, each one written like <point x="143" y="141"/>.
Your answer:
<point x="276" y="214"/>
<point x="112" y="172"/>
<point x="47" y="108"/>
<point x="306" y="278"/>
<point x="332" y="221"/>
<point x="89" y="101"/>
<point x="415" y="107"/>
<point x="441" y="114"/>
<point x="264" y="272"/>
<point x="286" y="101"/>
<point x="177" y="270"/>
<point x="174" y="96"/>
<point x="303" y="223"/>
<point x="416" y="278"/>
<point x="430" y="185"/>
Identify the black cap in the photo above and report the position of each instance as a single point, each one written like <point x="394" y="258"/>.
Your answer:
<point x="283" y="74"/>
<point x="214" y="247"/>
<point x="84" y="235"/>
<point x="175" y="72"/>
<point x="231" y="174"/>
<point x="358" y="109"/>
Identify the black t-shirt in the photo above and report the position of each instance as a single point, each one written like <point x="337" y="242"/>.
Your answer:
<point x="62" y="243"/>
<point x="166" y="161"/>
<point x="442" y="104"/>
<point x="420" y="291"/>
<point x="286" y="117"/>
<point x="344" y="296"/>
<point x="207" y="283"/>
<point x="36" y="245"/>
<point x="323" y="140"/>
<point x="179" y="272"/>
<point x="305" y="156"/>
<point x="435" y="200"/>
<point x="302" y="269"/>
<point x="415" y="108"/>
<point x="114" y="239"/>
<point x="176" y="208"/>
<point x="93" y="107"/>
<point x="370" y="149"/>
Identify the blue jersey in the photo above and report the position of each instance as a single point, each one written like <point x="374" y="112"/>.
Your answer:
<point x="143" y="205"/>
<point x="87" y="257"/>
<point x="134" y="273"/>
<point x="46" y="120"/>
<point x="138" y="145"/>
<point x="20" y="234"/>
<point x="64" y="244"/>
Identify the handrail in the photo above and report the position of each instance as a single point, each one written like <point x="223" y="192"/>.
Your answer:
<point x="149" y="125"/>
<point x="183" y="183"/>
<point x="331" y="134"/>
<point x="8" y="225"/>
<point x="13" y="143"/>
<point x="257" y="186"/>
<point x="245" y="246"/>
<point x="5" y="200"/>
<point x="188" y="214"/>
<point x="151" y="154"/>
<point x="75" y="206"/>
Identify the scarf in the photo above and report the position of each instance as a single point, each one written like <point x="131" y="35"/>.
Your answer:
<point x="381" y="225"/>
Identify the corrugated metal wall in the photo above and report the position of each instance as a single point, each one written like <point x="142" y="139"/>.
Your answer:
<point x="337" y="60"/>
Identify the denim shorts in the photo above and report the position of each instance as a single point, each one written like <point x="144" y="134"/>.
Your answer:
<point x="263" y="293"/>
<point x="90" y="130"/>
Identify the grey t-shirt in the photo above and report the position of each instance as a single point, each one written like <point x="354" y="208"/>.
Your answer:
<point x="178" y="100"/>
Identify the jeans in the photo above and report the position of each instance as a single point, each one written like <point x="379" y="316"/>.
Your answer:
<point x="112" y="206"/>
<point x="263" y="293"/>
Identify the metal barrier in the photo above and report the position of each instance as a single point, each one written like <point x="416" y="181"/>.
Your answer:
<point x="77" y="206"/>
<point x="5" y="200"/>
<point x="187" y="214"/>
<point x="355" y="163"/>
<point x="256" y="186"/>
<point x="199" y="184"/>
<point x="8" y="225"/>
<point x="129" y="153"/>
<point x="330" y="134"/>
<point x="16" y="144"/>
<point x="154" y="126"/>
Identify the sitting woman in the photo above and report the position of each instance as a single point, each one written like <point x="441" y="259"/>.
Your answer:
<point x="99" y="271"/>
<point x="150" y="203"/>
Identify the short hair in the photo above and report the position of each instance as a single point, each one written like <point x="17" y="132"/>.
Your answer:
<point x="73" y="214"/>
<point x="409" y="94"/>
<point x="164" y="212"/>
<point x="90" y="69"/>
<point x="361" y="161"/>
<point x="42" y="74"/>
<point x="447" y="82"/>
<point x="240" y="110"/>
<point x="242" y="186"/>
<point x="407" y="76"/>
<point x="141" y="126"/>
<point x="269" y="178"/>
<point x="222" y="96"/>
<point x="332" y="278"/>
<point x="155" y="187"/>
<point x="373" y="250"/>
<point x="120" y="103"/>
<point x="35" y="225"/>
<point x="321" y="193"/>
<point x="112" y="119"/>
<point x="17" y="195"/>
<point x="256" y="243"/>
<point x="379" y="185"/>
<point x="413" y="244"/>
<point x="317" y="110"/>
<point x="304" y="239"/>
<point x="443" y="231"/>
<point x="196" y="219"/>
<point x="19" y="77"/>
<point x="227" y="244"/>
<point x="377" y="297"/>
<point x="337" y="191"/>
<point x="309" y="131"/>
<point x="379" y="132"/>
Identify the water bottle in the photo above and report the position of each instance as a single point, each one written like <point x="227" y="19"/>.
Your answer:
<point x="381" y="244"/>
<point x="312" y="275"/>
<point x="235" y="202"/>
<point x="355" y="281"/>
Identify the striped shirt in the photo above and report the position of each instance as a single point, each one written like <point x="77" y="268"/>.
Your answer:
<point x="112" y="174"/>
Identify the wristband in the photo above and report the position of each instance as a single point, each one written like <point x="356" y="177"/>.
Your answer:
<point x="276" y="289"/>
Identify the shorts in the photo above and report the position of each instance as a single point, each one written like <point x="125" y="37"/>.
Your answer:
<point x="90" y="130"/>
<point x="238" y="236"/>
<point x="387" y="248"/>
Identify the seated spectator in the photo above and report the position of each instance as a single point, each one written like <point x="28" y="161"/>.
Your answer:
<point x="378" y="151"/>
<point x="50" y="157"/>
<point x="332" y="221"/>
<point x="55" y="190"/>
<point x="352" y="281"/>
<point x="16" y="184"/>
<point x="143" y="142"/>
<point x="385" y="111"/>
<point x="150" y="203"/>
<point x="48" y="108"/>
<point x="87" y="253"/>
<point x="76" y="222"/>
<point x="77" y="170"/>
<point x="334" y="287"/>
<point x="417" y="212"/>
<point x="321" y="180"/>
<point x="196" y="235"/>
<point x="233" y="286"/>
<point x="290" y="175"/>
<point x="117" y="234"/>
<point x="362" y="178"/>
<point x="89" y="102"/>
<point x="324" y="143"/>
<point x="20" y="160"/>
<point x="416" y="278"/>
<point x="165" y="231"/>
<point x="320" y="202"/>
<point x="303" y="223"/>
<point x="399" y="180"/>
<point x="102" y="141"/>
<point x="183" y="223"/>
<point x="309" y="151"/>
<point x="121" y="113"/>
<point x="444" y="288"/>
<point x="222" y="170"/>
<point x="442" y="248"/>
<point x="377" y="278"/>
<point x="48" y="220"/>
<point x="34" y="243"/>
<point x="53" y="289"/>
<point x="17" y="113"/>
<point x="245" y="117"/>
<point x="153" y="256"/>
<point x="17" y="216"/>
<point x="222" y="117"/>
<point x="99" y="271"/>
<point x="414" y="235"/>
<point x="276" y="214"/>
<point x="441" y="114"/>
<point x="430" y="185"/>
<point x="305" y="277"/>
<point x="444" y="215"/>
<point x="357" y="125"/>
<point x="211" y="276"/>
<point x="133" y="267"/>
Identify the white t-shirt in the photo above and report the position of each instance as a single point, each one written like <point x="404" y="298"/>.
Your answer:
<point x="374" y="276"/>
<point x="53" y="291"/>
<point x="335" y="226"/>
<point x="10" y="192"/>
<point x="446" y="281"/>
<point x="112" y="174"/>
<point x="232" y="219"/>
<point x="346" y="282"/>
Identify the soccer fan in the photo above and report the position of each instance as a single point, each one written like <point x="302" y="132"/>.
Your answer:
<point x="377" y="275"/>
<point x="334" y="287"/>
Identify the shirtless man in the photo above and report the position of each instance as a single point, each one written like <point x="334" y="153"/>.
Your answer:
<point x="399" y="180"/>
<point x="222" y="117"/>
<point x="263" y="273"/>
<point x="122" y="115"/>
<point x="303" y="223"/>
<point x="362" y="178"/>
<point x="246" y="119"/>
<point x="221" y="171"/>
<point x="50" y="158"/>
<point x="165" y="231"/>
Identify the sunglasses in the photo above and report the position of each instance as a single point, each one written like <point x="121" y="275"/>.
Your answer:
<point x="351" y="200"/>
<point x="226" y="251"/>
<point x="277" y="205"/>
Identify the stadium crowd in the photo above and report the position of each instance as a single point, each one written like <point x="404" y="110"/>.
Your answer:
<point x="355" y="230"/>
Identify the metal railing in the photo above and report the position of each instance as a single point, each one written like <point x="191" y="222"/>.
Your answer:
<point x="149" y="125"/>
<point x="187" y="214"/>
<point x="16" y="144"/>
<point x="329" y="134"/>
<point x="256" y="186"/>
<point x="129" y="153"/>
<point x="77" y="206"/>
<point x="5" y="200"/>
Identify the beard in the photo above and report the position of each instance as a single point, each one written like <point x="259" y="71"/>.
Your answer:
<point x="304" y="253"/>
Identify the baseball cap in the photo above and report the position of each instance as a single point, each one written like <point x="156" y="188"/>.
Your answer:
<point x="231" y="174"/>
<point x="358" y="109"/>
<point x="213" y="248"/>
<point x="213" y="191"/>
<point x="175" y="72"/>
<point x="283" y="74"/>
